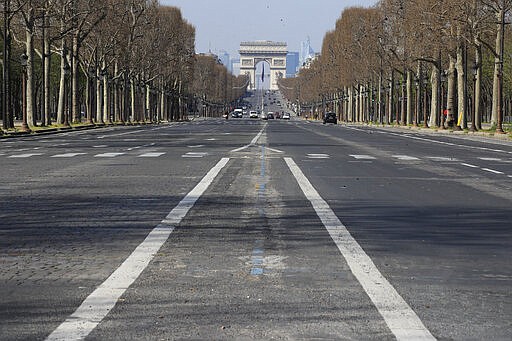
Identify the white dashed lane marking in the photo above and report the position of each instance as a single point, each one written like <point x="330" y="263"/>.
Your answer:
<point x="405" y="158"/>
<point x="318" y="156"/>
<point x="22" y="156"/>
<point x="153" y="154"/>
<point x="108" y="154"/>
<point x="363" y="157"/>
<point x="194" y="155"/>
<point x="68" y="155"/>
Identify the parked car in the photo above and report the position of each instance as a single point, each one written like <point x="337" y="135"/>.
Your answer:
<point x="286" y="116"/>
<point x="330" y="117"/>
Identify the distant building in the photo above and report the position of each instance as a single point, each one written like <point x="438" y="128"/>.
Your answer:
<point x="306" y="52"/>
<point x="225" y="60"/>
<point x="235" y="66"/>
<point x="309" y="60"/>
<point x="292" y="64"/>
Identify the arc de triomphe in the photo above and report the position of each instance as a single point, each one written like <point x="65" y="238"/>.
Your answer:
<point x="274" y="53"/>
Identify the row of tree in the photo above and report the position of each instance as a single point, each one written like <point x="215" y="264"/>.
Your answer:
<point x="440" y="62"/>
<point x="103" y="61"/>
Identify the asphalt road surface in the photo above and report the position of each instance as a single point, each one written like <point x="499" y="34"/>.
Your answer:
<point x="255" y="230"/>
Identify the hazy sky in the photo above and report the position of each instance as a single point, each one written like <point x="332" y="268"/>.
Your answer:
<point x="223" y="24"/>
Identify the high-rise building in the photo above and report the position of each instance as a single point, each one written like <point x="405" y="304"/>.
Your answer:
<point x="292" y="64"/>
<point x="225" y="59"/>
<point x="306" y="52"/>
<point x="235" y="66"/>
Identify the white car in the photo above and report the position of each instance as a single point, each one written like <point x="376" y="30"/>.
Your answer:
<point x="253" y="114"/>
<point x="286" y="116"/>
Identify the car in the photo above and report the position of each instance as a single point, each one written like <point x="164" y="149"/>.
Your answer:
<point x="253" y="114"/>
<point x="330" y="117"/>
<point x="238" y="113"/>
<point x="286" y="116"/>
<point x="263" y="116"/>
<point x="270" y="115"/>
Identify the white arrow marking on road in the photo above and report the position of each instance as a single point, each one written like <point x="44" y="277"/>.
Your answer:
<point x="398" y="315"/>
<point x="101" y="301"/>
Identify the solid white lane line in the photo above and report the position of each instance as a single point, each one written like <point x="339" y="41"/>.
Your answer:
<point x="398" y="315"/>
<point x="101" y="301"/>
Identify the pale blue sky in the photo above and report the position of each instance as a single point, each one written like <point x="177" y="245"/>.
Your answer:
<point x="223" y="24"/>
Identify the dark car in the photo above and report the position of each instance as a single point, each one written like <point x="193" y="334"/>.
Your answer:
<point x="330" y="117"/>
<point x="270" y="116"/>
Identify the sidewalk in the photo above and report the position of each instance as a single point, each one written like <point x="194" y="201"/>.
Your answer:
<point x="54" y="129"/>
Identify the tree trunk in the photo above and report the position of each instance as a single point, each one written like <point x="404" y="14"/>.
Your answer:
<point x="133" y="99"/>
<point x="409" y="97"/>
<point x="60" y="105"/>
<point x="106" y="100"/>
<point x="350" y="104"/>
<point x="478" y="87"/>
<point x="461" y="87"/>
<point x="29" y="44"/>
<point x="403" y="107"/>
<point x="450" y="100"/>
<point x="162" y="103"/>
<point x="99" y="95"/>
<point x="75" y="105"/>
<point x="47" y="55"/>
<point x="495" y="84"/>
<point x="434" y="101"/>
<point x="391" y="101"/>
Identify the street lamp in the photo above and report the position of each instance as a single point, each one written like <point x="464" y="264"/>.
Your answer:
<point x="23" y="62"/>
<point x="474" y="70"/>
